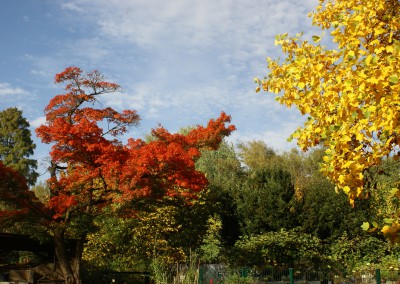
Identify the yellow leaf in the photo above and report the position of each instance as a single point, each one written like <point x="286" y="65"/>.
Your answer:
<point x="368" y="59"/>
<point x="379" y="31"/>
<point x="346" y="189"/>
<point x="386" y="229"/>
<point x="359" y="136"/>
<point x="389" y="49"/>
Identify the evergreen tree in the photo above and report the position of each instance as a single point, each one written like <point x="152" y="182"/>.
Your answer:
<point x="16" y="144"/>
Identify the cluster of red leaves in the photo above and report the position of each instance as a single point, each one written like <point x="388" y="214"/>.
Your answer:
<point x="15" y="193"/>
<point x="61" y="203"/>
<point x="101" y="170"/>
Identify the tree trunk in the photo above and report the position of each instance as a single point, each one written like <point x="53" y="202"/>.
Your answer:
<point x="63" y="257"/>
<point x="77" y="257"/>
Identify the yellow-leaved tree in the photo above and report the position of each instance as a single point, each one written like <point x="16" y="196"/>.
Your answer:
<point x="350" y="92"/>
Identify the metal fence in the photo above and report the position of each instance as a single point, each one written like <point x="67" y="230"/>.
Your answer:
<point x="117" y="278"/>
<point x="216" y="274"/>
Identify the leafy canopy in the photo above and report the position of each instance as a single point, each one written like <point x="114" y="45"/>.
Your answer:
<point x="350" y="94"/>
<point x="98" y="167"/>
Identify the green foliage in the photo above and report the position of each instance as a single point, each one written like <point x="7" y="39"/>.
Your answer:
<point x="222" y="167"/>
<point x="16" y="144"/>
<point x="285" y="248"/>
<point x="42" y="191"/>
<point x="159" y="272"/>
<point x="255" y="154"/>
<point x="383" y="188"/>
<point x="186" y="273"/>
<point x="132" y="237"/>
<point x="327" y="214"/>
<point x="361" y="252"/>
<point x="211" y="246"/>
<point x="225" y="175"/>
<point x="266" y="201"/>
<point x="235" y="278"/>
<point x="288" y="212"/>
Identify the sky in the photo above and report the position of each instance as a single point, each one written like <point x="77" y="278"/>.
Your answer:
<point x="179" y="62"/>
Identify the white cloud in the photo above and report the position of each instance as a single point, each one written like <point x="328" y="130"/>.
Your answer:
<point x="37" y="122"/>
<point x="71" y="6"/>
<point x="277" y="138"/>
<point x="227" y="25"/>
<point x="7" y="90"/>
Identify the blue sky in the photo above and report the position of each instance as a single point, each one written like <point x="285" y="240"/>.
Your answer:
<point x="179" y="62"/>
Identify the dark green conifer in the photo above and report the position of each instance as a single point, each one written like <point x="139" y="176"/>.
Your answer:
<point x="16" y="144"/>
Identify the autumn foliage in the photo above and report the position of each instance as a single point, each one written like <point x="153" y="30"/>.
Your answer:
<point x="91" y="167"/>
<point x="94" y="167"/>
<point x="350" y="93"/>
<point x="19" y="201"/>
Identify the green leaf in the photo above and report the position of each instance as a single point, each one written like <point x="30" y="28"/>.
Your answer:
<point x="316" y="38"/>
<point x="393" y="80"/>
<point x="365" y="226"/>
<point x="388" y="220"/>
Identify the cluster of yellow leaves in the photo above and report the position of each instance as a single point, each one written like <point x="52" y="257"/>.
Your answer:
<point x="350" y="93"/>
<point x="147" y="236"/>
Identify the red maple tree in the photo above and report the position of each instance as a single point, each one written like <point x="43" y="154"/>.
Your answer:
<point x="91" y="167"/>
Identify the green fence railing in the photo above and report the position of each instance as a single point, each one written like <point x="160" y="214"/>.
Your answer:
<point x="214" y="274"/>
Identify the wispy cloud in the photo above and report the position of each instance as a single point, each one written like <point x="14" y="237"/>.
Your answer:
<point x="197" y="57"/>
<point x="181" y="62"/>
<point x="7" y="90"/>
<point x="71" y="6"/>
<point x="232" y="31"/>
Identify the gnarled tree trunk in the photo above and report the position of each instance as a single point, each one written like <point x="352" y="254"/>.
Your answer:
<point x="64" y="258"/>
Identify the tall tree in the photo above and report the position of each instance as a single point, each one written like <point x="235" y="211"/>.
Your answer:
<point x="266" y="199"/>
<point x="16" y="144"/>
<point x="91" y="168"/>
<point x="225" y="174"/>
<point x="350" y="94"/>
<point x="266" y="202"/>
<point x="255" y="154"/>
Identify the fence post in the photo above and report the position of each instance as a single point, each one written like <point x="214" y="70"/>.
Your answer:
<point x="378" y="276"/>
<point x="201" y="274"/>
<point x="146" y="278"/>
<point x="244" y="272"/>
<point x="291" y="276"/>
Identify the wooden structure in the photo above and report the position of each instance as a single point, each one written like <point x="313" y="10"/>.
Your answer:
<point x="26" y="273"/>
